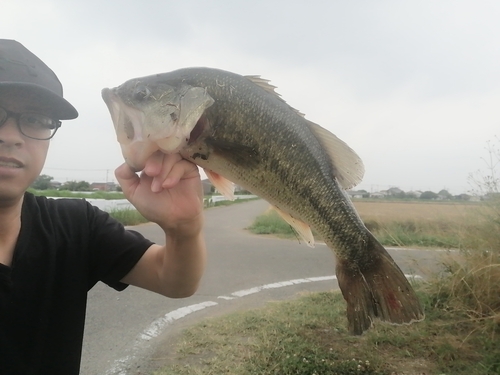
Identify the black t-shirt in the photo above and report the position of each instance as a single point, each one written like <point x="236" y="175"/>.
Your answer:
<point x="64" y="248"/>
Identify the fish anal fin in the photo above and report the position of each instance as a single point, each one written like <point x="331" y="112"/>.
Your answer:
<point x="348" y="166"/>
<point x="223" y="185"/>
<point x="380" y="292"/>
<point x="300" y="227"/>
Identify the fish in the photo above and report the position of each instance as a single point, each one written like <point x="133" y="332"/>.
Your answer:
<point x="241" y="131"/>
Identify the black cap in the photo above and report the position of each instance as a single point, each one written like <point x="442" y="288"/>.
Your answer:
<point x="25" y="75"/>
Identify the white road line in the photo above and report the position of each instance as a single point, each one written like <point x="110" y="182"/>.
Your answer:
<point x="246" y="292"/>
<point x="122" y="365"/>
<point x="159" y="324"/>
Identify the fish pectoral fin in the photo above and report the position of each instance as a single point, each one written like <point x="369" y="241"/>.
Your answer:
<point x="300" y="227"/>
<point x="223" y="185"/>
<point x="348" y="167"/>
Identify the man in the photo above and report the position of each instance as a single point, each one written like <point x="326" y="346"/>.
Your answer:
<point x="53" y="251"/>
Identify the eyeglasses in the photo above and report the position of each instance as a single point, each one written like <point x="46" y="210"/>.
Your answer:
<point x="32" y="125"/>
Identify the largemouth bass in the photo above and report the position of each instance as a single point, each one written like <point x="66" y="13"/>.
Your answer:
<point x="240" y="131"/>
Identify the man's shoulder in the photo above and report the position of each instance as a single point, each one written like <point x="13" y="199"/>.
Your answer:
<point x="55" y="203"/>
<point x="66" y="209"/>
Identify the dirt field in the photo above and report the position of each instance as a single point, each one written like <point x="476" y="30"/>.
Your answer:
<point x="385" y="211"/>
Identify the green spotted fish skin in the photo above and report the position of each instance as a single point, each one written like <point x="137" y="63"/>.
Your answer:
<point x="242" y="131"/>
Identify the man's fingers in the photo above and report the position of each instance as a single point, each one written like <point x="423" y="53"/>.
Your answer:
<point x="154" y="164"/>
<point x="164" y="171"/>
<point x="124" y="174"/>
<point x="165" y="167"/>
<point x="181" y="169"/>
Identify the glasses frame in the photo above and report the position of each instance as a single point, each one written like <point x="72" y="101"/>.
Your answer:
<point x="17" y="117"/>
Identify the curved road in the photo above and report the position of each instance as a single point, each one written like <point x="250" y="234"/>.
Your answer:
<point x="123" y="329"/>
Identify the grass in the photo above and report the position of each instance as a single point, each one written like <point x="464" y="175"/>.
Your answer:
<point x="272" y="223"/>
<point x="308" y="336"/>
<point x="422" y="224"/>
<point x="460" y="335"/>
<point x="208" y="203"/>
<point x="125" y="216"/>
<point x="405" y="224"/>
<point x="128" y="216"/>
<point x="76" y="194"/>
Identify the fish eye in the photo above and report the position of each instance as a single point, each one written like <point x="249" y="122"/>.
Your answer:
<point x="141" y="92"/>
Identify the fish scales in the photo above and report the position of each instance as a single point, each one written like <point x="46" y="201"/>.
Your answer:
<point x="238" y="129"/>
<point x="280" y="139"/>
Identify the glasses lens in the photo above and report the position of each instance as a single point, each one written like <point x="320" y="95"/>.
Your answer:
<point x="37" y="126"/>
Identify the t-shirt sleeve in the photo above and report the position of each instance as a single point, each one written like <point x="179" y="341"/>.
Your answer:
<point x="114" y="250"/>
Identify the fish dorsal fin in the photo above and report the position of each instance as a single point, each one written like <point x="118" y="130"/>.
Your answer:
<point x="266" y="86"/>
<point x="223" y="185"/>
<point x="348" y="166"/>
<point x="300" y="227"/>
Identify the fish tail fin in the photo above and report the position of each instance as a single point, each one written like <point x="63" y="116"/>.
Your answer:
<point x="381" y="291"/>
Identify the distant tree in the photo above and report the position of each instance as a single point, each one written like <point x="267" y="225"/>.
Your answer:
<point x="445" y="194"/>
<point x="428" y="195"/>
<point x="366" y="195"/>
<point x="76" y="186"/>
<point x="411" y="195"/>
<point x="487" y="183"/>
<point x="42" y="182"/>
<point x="400" y="195"/>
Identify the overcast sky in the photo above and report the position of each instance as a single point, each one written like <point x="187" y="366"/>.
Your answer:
<point x="411" y="86"/>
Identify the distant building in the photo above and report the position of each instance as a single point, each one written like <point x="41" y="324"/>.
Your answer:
<point x="394" y="191"/>
<point x="379" y="194"/>
<point x="55" y="184"/>
<point x="209" y="188"/>
<point x="355" y="194"/>
<point x="103" y="186"/>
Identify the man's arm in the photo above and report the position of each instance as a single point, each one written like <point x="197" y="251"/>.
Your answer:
<point x="173" y="270"/>
<point x="169" y="193"/>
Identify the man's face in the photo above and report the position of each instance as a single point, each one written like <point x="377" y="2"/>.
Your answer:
<point x="21" y="158"/>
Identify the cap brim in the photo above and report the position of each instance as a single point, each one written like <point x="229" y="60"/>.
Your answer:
<point x="38" y="96"/>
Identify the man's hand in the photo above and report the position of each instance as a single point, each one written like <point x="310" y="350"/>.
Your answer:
<point x="168" y="191"/>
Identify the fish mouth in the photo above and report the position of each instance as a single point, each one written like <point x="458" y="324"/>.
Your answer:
<point x="127" y="123"/>
<point x="198" y="129"/>
<point x="139" y="133"/>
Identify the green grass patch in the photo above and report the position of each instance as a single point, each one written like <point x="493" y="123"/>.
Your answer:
<point x="308" y="336"/>
<point x="460" y="335"/>
<point x="272" y="223"/>
<point x="414" y="233"/>
<point x="207" y="202"/>
<point x="128" y="216"/>
<point x="76" y="194"/>
<point x="441" y="232"/>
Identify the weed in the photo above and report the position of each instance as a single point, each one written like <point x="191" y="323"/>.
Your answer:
<point x="76" y="194"/>
<point x="128" y="216"/>
<point x="271" y="223"/>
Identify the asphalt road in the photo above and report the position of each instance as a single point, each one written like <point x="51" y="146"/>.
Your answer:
<point x="123" y="329"/>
